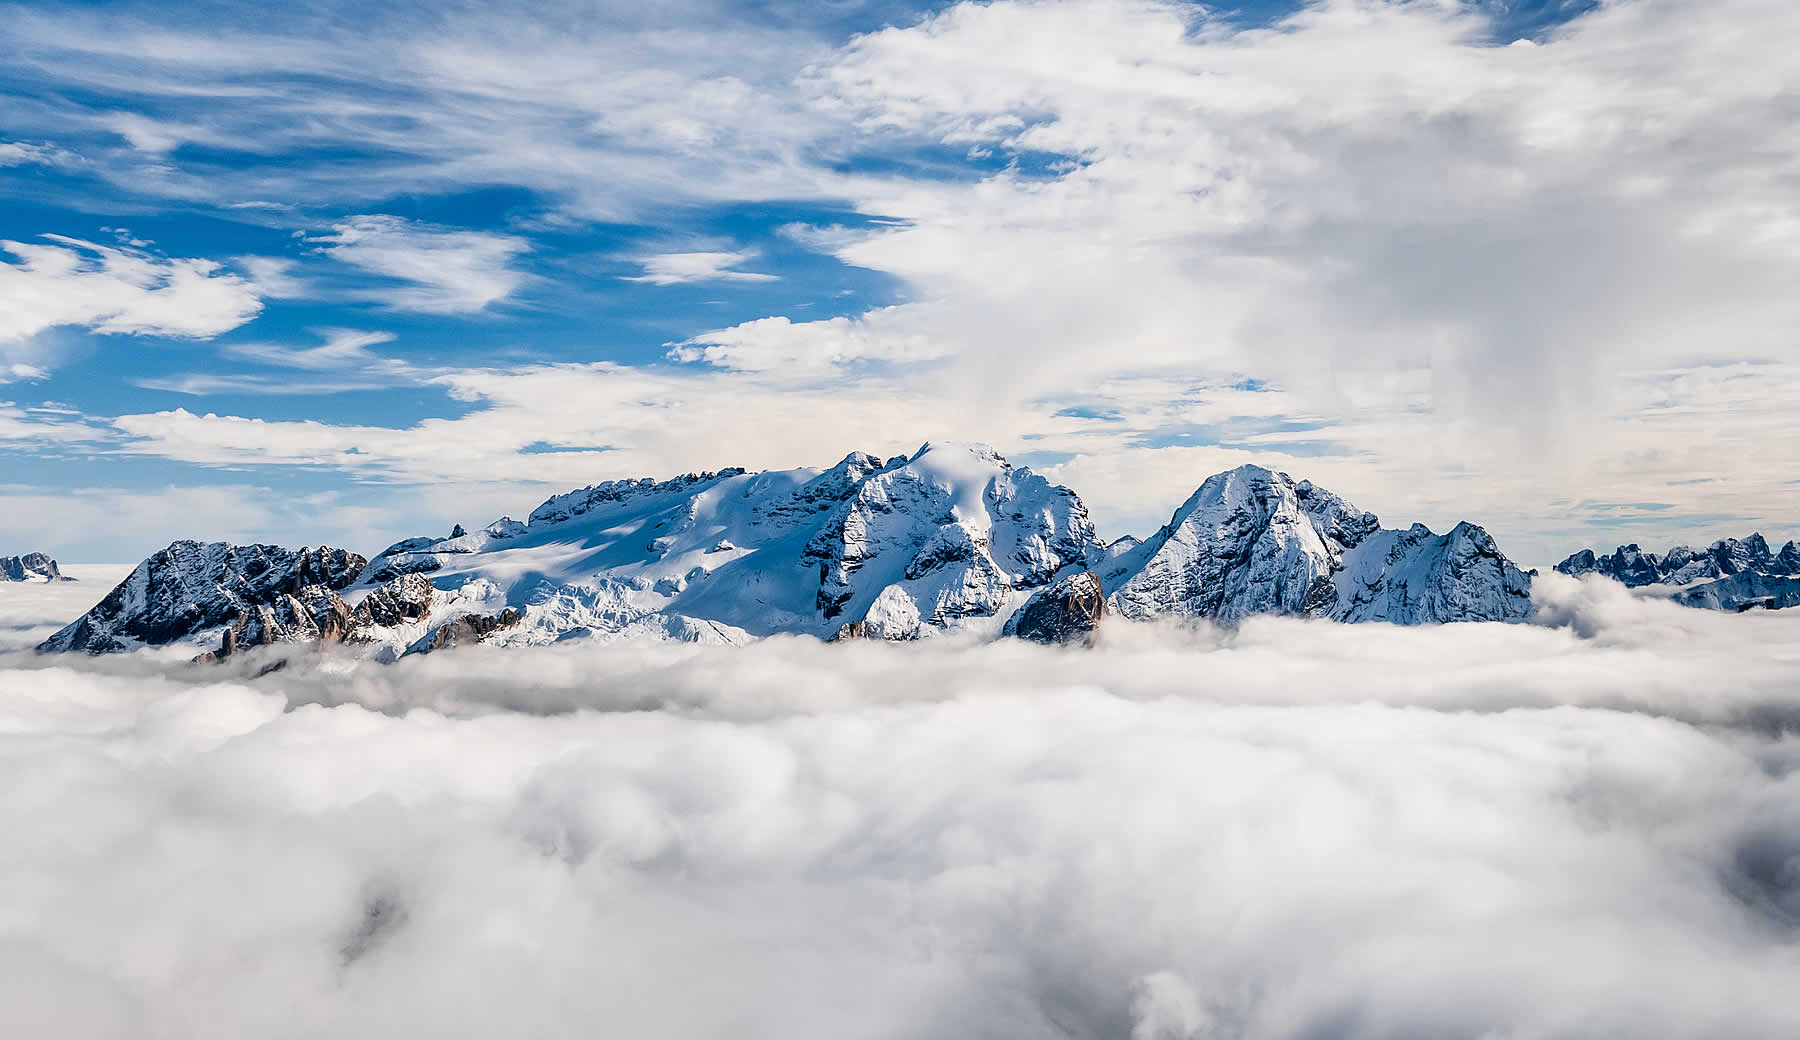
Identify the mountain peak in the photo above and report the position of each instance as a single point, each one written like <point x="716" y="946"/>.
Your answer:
<point x="1254" y="541"/>
<point x="981" y="452"/>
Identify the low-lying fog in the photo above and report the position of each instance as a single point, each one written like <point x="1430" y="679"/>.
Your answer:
<point x="1584" y="828"/>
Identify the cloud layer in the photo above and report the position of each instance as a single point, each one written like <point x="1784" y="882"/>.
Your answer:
<point x="1291" y="830"/>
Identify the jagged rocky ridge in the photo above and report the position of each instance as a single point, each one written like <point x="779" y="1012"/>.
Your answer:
<point x="240" y="596"/>
<point x="30" y="567"/>
<point x="1730" y="574"/>
<point x="951" y="538"/>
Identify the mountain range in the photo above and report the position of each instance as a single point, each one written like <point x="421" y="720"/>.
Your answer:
<point x="950" y="538"/>
<point x="1730" y="574"/>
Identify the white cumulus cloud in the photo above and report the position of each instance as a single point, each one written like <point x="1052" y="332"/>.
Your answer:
<point x="117" y="290"/>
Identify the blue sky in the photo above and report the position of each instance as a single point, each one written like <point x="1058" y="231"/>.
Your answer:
<point x="353" y="272"/>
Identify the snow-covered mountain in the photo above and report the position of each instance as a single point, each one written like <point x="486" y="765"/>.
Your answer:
<point x="952" y="537"/>
<point x="1730" y="574"/>
<point x="30" y="567"/>
<point x="192" y="589"/>
<point x="1251" y="541"/>
<point x="947" y="538"/>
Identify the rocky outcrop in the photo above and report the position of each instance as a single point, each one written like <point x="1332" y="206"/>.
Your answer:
<point x="1745" y="591"/>
<point x="1067" y="611"/>
<point x="314" y="615"/>
<point x="30" y="567"/>
<point x="1251" y="541"/>
<point x="1684" y="564"/>
<point x="190" y="589"/>
<point x="404" y="599"/>
<point x="318" y="615"/>
<point x="470" y="629"/>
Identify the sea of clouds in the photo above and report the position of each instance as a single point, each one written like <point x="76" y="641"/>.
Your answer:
<point x="1586" y="827"/>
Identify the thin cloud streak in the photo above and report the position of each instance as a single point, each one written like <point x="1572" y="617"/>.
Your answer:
<point x="442" y="270"/>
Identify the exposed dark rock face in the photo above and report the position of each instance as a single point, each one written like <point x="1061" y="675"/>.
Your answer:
<point x="334" y="569"/>
<point x="315" y="615"/>
<point x="30" y="567"/>
<point x="268" y="593"/>
<point x="1067" y="611"/>
<point x="403" y="599"/>
<point x="470" y="629"/>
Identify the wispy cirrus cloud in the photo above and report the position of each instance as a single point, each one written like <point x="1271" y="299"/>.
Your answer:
<point x="274" y="277"/>
<point x="436" y="270"/>
<point x="33" y="428"/>
<point x="700" y="266"/>
<point x="343" y="348"/>
<point x="342" y="363"/>
<point x="18" y="371"/>
<point x="26" y="153"/>
<point x="610" y="111"/>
